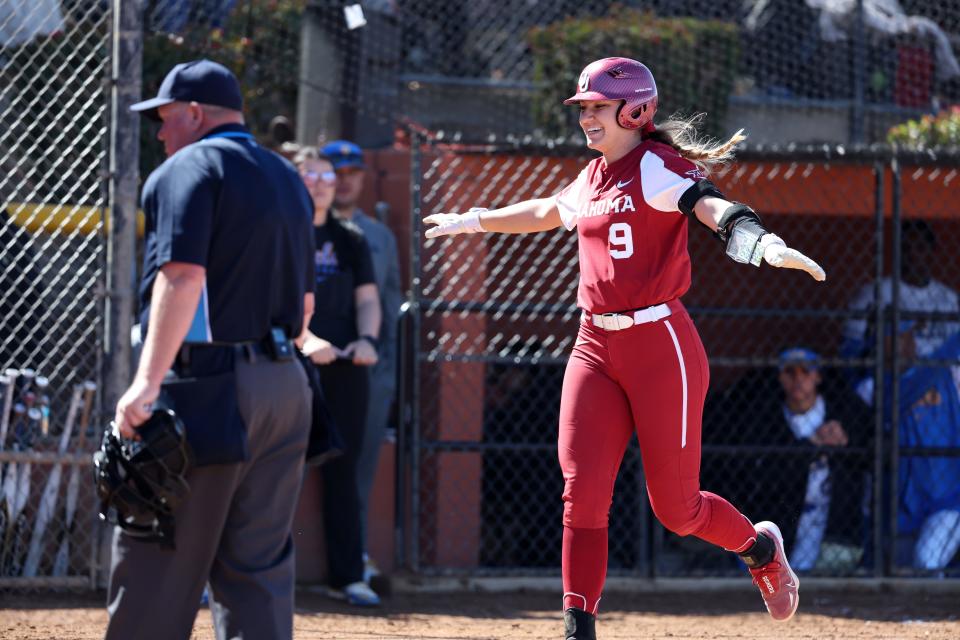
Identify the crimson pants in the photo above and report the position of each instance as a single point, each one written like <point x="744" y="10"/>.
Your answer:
<point x="650" y="379"/>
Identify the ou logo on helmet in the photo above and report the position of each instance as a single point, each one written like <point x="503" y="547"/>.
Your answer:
<point x="584" y="83"/>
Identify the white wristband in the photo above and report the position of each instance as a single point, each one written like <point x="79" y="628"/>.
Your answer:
<point x="471" y="220"/>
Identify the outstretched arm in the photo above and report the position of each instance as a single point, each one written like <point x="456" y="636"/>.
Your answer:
<point x="540" y="214"/>
<point x="747" y="240"/>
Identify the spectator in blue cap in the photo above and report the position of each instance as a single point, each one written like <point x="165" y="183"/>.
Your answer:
<point x="345" y="155"/>
<point x="816" y="488"/>
<point x="350" y="168"/>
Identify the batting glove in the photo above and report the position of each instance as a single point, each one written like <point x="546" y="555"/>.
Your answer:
<point x="450" y="224"/>
<point x="778" y="254"/>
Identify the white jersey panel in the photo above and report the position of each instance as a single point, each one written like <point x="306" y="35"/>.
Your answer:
<point x="662" y="188"/>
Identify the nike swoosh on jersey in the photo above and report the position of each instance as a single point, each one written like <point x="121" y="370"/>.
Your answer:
<point x="621" y="184"/>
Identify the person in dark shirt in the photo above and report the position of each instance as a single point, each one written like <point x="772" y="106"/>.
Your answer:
<point x="342" y="343"/>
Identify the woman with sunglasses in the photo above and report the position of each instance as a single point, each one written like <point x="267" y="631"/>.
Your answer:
<point x="341" y="342"/>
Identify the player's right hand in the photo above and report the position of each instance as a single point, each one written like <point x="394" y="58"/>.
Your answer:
<point x="449" y="224"/>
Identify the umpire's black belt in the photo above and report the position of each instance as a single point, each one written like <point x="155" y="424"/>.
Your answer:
<point x="251" y="351"/>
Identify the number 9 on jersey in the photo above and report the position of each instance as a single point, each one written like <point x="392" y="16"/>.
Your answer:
<point x="620" y="241"/>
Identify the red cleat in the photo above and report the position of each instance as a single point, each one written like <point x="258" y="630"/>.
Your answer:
<point x="778" y="584"/>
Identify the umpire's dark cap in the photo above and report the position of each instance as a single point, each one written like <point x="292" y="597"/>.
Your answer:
<point x="202" y="81"/>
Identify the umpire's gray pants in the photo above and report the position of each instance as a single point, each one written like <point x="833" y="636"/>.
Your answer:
<point x="233" y="529"/>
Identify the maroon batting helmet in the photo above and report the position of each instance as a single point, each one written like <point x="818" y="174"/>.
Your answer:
<point x="620" y="79"/>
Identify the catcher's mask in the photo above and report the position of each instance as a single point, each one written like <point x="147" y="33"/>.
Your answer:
<point x="141" y="482"/>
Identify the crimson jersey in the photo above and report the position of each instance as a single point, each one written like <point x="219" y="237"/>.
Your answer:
<point x="633" y="238"/>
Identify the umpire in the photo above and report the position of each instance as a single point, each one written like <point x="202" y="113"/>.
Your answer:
<point x="227" y="282"/>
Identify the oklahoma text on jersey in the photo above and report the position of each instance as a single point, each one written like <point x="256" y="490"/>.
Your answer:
<point x="621" y="204"/>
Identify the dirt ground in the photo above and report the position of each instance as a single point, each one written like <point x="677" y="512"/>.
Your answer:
<point x="475" y="616"/>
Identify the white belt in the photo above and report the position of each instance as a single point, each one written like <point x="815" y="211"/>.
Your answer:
<point x="618" y="321"/>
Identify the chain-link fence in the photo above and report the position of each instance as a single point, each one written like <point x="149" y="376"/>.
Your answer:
<point x="53" y="62"/>
<point x="495" y="317"/>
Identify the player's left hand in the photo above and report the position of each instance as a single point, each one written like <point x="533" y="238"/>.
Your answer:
<point x="364" y="354"/>
<point x="134" y="407"/>
<point x="778" y="254"/>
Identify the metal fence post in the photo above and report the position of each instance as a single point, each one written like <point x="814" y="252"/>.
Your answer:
<point x="404" y="421"/>
<point x="127" y="54"/>
<point x="126" y="51"/>
<point x="416" y="178"/>
<point x="896" y="268"/>
<point x="878" y="528"/>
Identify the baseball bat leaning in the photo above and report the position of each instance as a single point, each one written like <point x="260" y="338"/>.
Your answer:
<point x="10" y="383"/>
<point x="43" y="402"/>
<point x="18" y="548"/>
<point x="48" y="501"/>
<point x="11" y="480"/>
<point x="61" y="562"/>
<point x="25" y="381"/>
<point x="10" y="378"/>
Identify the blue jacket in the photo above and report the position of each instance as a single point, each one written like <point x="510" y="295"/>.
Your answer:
<point x="929" y="417"/>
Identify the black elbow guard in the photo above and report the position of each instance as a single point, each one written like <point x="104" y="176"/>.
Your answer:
<point x="741" y="229"/>
<point x="694" y="194"/>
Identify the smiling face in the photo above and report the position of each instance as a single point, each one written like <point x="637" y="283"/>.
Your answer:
<point x="598" y="119"/>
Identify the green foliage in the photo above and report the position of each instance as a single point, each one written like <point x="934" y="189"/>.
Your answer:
<point x="260" y="42"/>
<point x="694" y="62"/>
<point x="942" y="130"/>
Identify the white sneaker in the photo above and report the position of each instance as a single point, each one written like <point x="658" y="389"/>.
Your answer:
<point x="361" y="595"/>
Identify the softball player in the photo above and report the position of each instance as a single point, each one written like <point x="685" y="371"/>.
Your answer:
<point x="638" y="364"/>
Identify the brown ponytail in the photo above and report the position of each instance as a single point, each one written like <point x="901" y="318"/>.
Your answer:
<point x="681" y="134"/>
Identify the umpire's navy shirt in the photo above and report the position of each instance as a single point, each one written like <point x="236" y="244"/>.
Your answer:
<point x="243" y="213"/>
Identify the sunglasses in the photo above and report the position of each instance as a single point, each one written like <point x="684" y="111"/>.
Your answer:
<point x="325" y="176"/>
